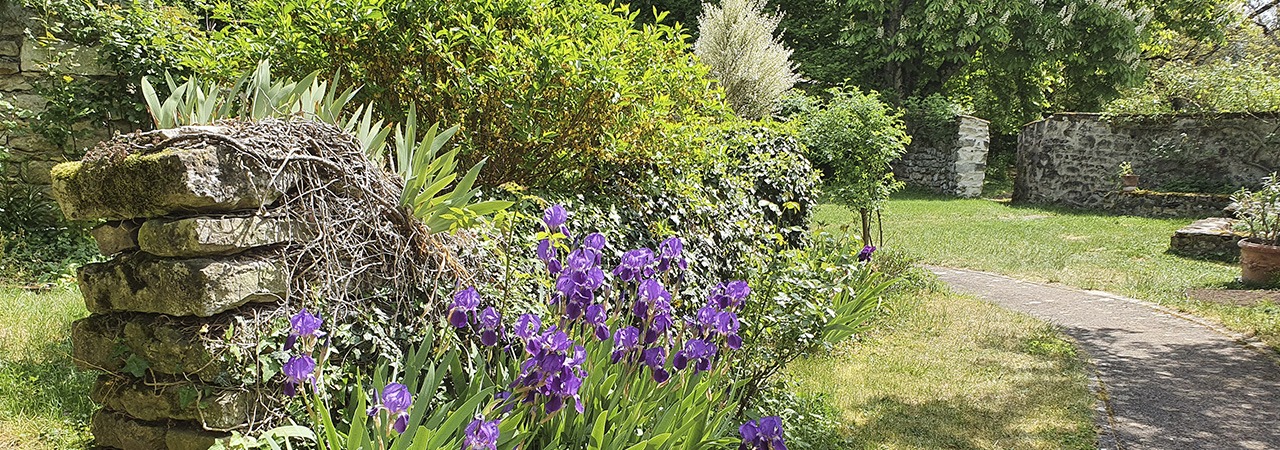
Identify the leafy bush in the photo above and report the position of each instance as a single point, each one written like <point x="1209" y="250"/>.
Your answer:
<point x="1259" y="211"/>
<point x="1220" y="86"/>
<point x="931" y="120"/>
<point x="39" y="244"/>
<point x="736" y="40"/>
<point x="553" y="94"/>
<point x="853" y="139"/>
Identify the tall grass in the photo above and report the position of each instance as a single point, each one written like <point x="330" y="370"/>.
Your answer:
<point x="43" y="399"/>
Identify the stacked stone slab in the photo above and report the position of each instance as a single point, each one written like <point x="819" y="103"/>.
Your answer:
<point x="957" y="166"/>
<point x="1211" y="238"/>
<point x="190" y="241"/>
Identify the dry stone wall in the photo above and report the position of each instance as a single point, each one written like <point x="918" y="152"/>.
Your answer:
<point x="26" y="157"/>
<point x="190" y="243"/>
<point x="956" y="166"/>
<point x="1073" y="159"/>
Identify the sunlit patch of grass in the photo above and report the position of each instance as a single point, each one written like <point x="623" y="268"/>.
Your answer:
<point x="43" y="399"/>
<point x="1120" y="254"/>
<point x="956" y="372"/>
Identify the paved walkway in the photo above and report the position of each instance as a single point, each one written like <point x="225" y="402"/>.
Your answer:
<point x="1167" y="381"/>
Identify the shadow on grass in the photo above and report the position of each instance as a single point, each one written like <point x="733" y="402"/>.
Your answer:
<point x="47" y="396"/>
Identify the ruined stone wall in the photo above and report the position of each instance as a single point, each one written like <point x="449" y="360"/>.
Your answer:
<point x="1073" y="159"/>
<point x="1165" y="204"/>
<point x="955" y="166"/>
<point x="191" y="254"/>
<point x="25" y="155"/>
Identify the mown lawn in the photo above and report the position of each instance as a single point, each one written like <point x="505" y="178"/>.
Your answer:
<point x="1120" y="254"/>
<point x="44" y="400"/>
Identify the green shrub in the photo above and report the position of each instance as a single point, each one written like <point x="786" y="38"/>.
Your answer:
<point x="853" y="138"/>
<point x="930" y="120"/>
<point x="736" y="39"/>
<point x="552" y="93"/>
<point x="39" y="244"/>
<point x="1220" y="86"/>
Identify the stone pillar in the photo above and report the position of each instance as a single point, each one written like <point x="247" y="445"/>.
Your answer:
<point x="191" y="244"/>
<point x="955" y="166"/>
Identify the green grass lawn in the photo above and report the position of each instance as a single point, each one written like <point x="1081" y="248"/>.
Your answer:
<point x="952" y="371"/>
<point x="1120" y="254"/>
<point x="43" y="399"/>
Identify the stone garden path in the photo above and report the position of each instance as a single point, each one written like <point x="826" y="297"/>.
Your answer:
<point x="1165" y="380"/>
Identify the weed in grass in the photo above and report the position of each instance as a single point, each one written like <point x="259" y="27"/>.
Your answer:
<point x="43" y="398"/>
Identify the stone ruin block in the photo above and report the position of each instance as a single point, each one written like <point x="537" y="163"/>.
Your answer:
<point x="199" y="178"/>
<point x="116" y="237"/>
<point x="211" y="408"/>
<point x="163" y="345"/>
<point x="115" y="430"/>
<point x="1210" y="238"/>
<point x="179" y="287"/>
<point x="210" y="236"/>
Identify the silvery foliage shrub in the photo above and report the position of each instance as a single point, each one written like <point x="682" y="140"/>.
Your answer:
<point x="735" y="39"/>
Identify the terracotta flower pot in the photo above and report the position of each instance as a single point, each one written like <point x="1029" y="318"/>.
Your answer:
<point x="1130" y="182"/>
<point x="1259" y="263"/>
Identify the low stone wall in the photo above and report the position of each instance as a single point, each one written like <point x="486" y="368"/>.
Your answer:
<point x="1210" y="238"/>
<point x="1165" y="204"/>
<point x="190" y="245"/>
<point x="25" y="155"/>
<point x="1073" y="159"/>
<point x="952" y="167"/>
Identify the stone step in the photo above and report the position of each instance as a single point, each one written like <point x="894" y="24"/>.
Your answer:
<point x="179" y="287"/>
<point x="1210" y="238"/>
<point x="210" y="407"/>
<point x="195" y="178"/>
<point x="115" y="430"/>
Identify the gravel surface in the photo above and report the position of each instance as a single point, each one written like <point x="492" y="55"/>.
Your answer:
<point x="1165" y="380"/>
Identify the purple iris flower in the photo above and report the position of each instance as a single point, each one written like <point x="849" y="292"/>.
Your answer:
<point x="865" y="254"/>
<point x="527" y="325"/>
<point x="596" y="317"/>
<point x="481" y="435"/>
<point x="299" y="369"/>
<point x="555" y="216"/>
<point x="396" y="400"/>
<point x="625" y="340"/>
<point x="763" y="434"/>
<point x="578" y="282"/>
<point x="553" y="370"/>
<point x="305" y="326"/>
<point x="491" y="323"/>
<point x="697" y="352"/>
<point x="656" y="359"/>
<point x="594" y="241"/>
<point x="464" y="302"/>
<point x="635" y="265"/>
<point x="669" y="253"/>
<point x="548" y="255"/>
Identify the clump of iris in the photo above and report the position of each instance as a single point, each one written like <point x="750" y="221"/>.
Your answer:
<point x="628" y="308"/>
